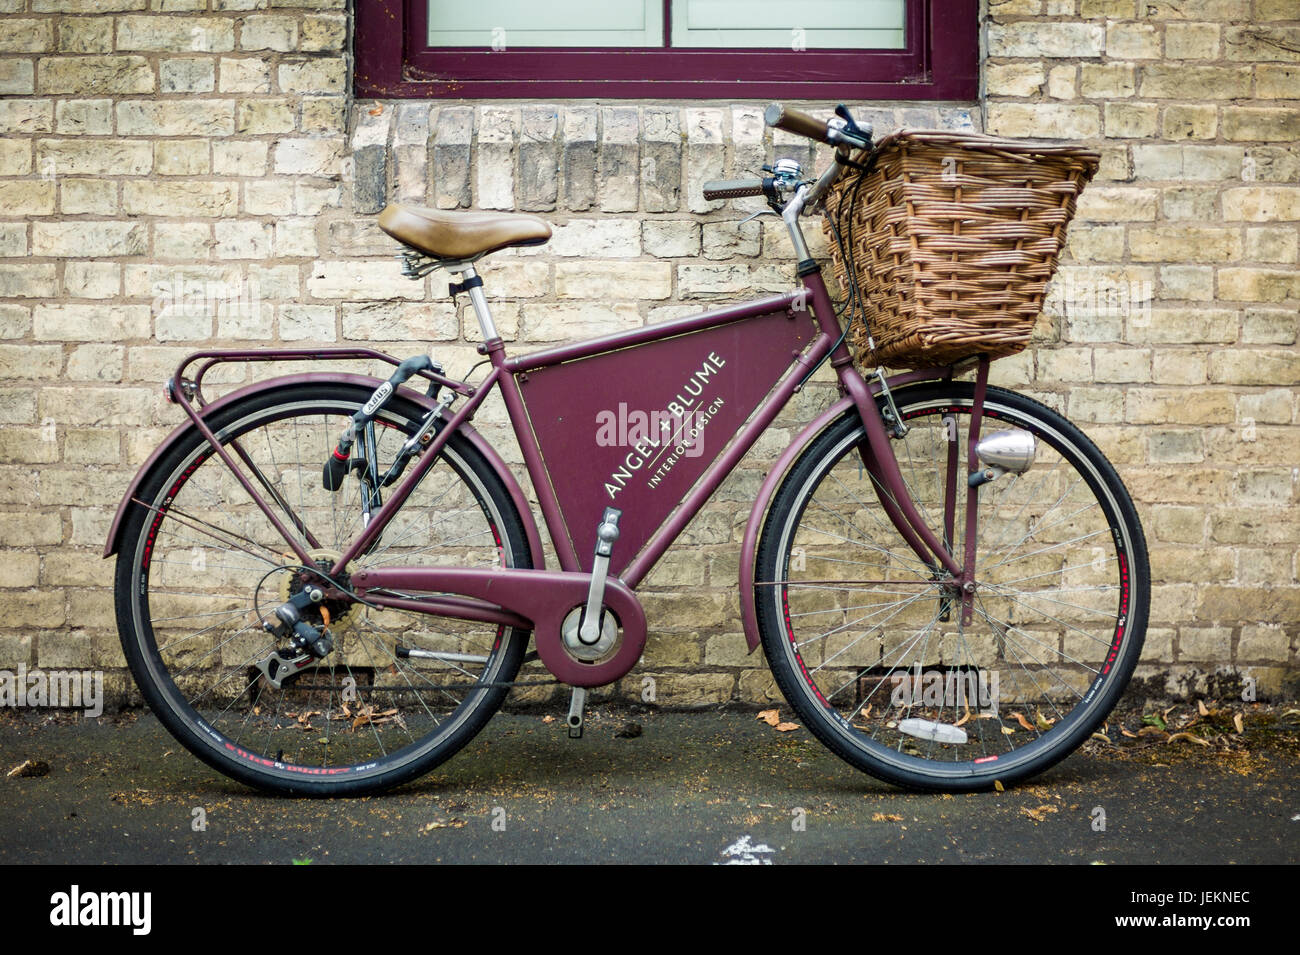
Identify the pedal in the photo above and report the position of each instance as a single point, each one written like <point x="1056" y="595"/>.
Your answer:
<point x="577" y="704"/>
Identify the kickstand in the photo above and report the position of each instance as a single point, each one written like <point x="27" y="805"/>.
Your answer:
<point x="577" y="703"/>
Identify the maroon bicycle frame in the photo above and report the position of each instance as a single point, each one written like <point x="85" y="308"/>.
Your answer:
<point x="460" y="594"/>
<point x="546" y="476"/>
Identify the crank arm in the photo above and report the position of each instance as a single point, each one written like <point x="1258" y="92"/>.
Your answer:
<point x="606" y="534"/>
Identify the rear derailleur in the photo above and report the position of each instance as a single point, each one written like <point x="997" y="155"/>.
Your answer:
<point x="307" y="643"/>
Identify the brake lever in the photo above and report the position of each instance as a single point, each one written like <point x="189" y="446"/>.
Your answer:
<point x="760" y="212"/>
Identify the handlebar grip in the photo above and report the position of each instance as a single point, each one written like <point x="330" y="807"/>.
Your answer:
<point x="796" y="121"/>
<point x="733" y="188"/>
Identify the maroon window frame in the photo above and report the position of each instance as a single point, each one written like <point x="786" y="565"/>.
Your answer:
<point x="940" y="62"/>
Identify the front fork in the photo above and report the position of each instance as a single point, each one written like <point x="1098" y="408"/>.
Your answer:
<point x="880" y="462"/>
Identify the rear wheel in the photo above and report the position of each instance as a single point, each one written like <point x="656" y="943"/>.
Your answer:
<point x="200" y="566"/>
<point x="867" y="642"/>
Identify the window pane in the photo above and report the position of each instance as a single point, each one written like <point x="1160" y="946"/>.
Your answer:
<point x="504" y="24"/>
<point x="785" y="25"/>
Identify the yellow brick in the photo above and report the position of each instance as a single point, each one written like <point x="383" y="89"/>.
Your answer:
<point x="1014" y="79"/>
<point x="1178" y="368"/>
<point x="1062" y="82"/>
<point x="1240" y="366"/>
<point x="1184" y="244"/>
<point x="1131" y="120"/>
<point x="1107" y="80"/>
<point x="1180" y="81"/>
<point x="1259" y="43"/>
<point x="1277" y="244"/>
<point x="1044" y="119"/>
<point x="1273" y="81"/>
<point x="94" y="75"/>
<point x="96" y="157"/>
<point x="1132" y="41"/>
<point x="26" y="198"/>
<point x="1171" y="406"/>
<point x="180" y="198"/>
<point x="1175" y="326"/>
<point x="1258" y="285"/>
<point x="1261" y="123"/>
<point x="1186" y="121"/>
<point x="1192" y="41"/>
<point x="1117" y="204"/>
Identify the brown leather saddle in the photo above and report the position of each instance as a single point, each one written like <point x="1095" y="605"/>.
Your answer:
<point x="461" y="235"/>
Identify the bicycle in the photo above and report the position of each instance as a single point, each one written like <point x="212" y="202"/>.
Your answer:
<point x="944" y="606"/>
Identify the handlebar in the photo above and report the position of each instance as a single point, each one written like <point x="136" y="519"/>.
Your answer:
<point x="734" y="188"/>
<point x="840" y="131"/>
<point x="796" y="121"/>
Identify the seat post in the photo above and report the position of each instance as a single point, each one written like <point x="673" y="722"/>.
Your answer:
<point x="479" y="300"/>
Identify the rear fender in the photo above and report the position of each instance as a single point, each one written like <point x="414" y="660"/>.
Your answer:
<point x="493" y="459"/>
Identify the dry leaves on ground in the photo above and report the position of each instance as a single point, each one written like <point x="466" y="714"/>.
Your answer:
<point x="773" y="719"/>
<point x="1040" y="813"/>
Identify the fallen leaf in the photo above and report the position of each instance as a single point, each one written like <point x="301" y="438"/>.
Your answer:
<point x="1009" y="731"/>
<point x="964" y="720"/>
<point x="1200" y="708"/>
<point x="786" y="727"/>
<point x="548" y="719"/>
<point x="29" y="768"/>
<point x="376" y="110"/>
<point x="997" y="784"/>
<point x="1101" y="736"/>
<point x="1129" y="735"/>
<point x="1187" y="736"/>
<point x="886" y="817"/>
<point x="770" y="717"/>
<point x="1042" y="722"/>
<point x="1022" y="721"/>
<point x="1237" y="722"/>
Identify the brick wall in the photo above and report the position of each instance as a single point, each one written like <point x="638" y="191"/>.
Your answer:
<point x="156" y="145"/>
<point x="1191" y="373"/>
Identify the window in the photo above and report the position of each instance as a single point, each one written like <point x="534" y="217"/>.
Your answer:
<point x="697" y="49"/>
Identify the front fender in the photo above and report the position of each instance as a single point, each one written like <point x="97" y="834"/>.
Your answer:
<point x="470" y="434"/>
<point x="754" y="527"/>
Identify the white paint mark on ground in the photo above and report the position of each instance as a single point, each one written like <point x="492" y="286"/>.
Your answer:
<point x="744" y="852"/>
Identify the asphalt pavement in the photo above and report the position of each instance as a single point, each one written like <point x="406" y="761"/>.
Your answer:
<point x="698" y="788"/>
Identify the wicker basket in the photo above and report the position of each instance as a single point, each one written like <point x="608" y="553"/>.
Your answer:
<point x="953" y="239"/>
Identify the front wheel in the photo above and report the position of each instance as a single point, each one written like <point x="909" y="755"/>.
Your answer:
<point x="866" y="640"/>
<point x="201" y="566"/>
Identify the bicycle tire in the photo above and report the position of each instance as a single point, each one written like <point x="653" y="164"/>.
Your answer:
<point x="1066" y="625"/>
<point x="200" y="565"/>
